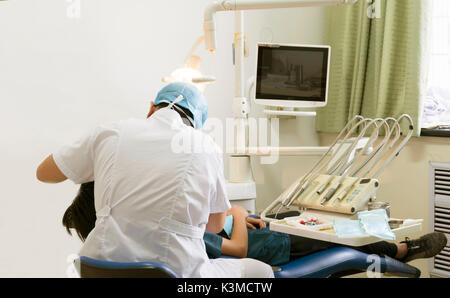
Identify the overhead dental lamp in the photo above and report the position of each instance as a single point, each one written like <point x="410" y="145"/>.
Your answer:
<point x="190" y="72"/>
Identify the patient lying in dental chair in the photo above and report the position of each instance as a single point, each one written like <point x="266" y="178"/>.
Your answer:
<point x="251" y="237"/>
<point x="248" y="237"/>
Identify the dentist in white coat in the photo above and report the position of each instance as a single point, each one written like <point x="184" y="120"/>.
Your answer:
<point x="154" y="202"/>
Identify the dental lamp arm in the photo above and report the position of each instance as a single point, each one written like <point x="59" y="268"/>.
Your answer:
<point x="235" y="5"/>
<point x="191" y="54"/>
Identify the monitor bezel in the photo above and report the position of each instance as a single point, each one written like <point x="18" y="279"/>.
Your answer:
<point x="273" y="102"/>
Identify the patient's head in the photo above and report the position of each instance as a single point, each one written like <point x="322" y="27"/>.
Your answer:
<point x="81" y="215"/>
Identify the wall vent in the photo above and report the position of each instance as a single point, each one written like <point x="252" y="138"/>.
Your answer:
<point x="440" y="218"/>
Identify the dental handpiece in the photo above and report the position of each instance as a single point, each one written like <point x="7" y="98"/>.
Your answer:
<point x="300" y="187"/>
<point x="345" y="168"/>
<point x="330" y="172"/>
<point x="377" y="152"/>
<point x="380" y="153"/>
<point x="382" y="150"/>
<point x="324" y="186"/>
<point x="381" y="146"/>
<point x="345" y="162"/>
<point x="339" y="161"/>
<point x="330" y="193"/>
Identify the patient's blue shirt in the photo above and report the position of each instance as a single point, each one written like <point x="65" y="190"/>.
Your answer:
<point x="270" y="247"/>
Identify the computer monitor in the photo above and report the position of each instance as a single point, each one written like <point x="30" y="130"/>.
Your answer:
<point x="292" y="76"/>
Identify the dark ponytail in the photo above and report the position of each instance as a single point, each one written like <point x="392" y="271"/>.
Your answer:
<point x="81" y="215"/>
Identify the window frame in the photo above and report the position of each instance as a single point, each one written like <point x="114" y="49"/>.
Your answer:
<point x="443" y="130"/>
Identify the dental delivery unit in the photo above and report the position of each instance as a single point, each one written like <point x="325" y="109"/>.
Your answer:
<point x="343" y="183"/>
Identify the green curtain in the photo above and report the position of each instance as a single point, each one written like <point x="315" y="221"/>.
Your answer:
<point x="378" y="64"/>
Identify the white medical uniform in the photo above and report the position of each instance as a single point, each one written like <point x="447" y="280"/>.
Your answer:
<point x="153" y="201"/>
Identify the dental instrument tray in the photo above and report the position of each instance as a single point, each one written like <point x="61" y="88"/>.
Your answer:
<point x="325" y="231"/>
<point x="342" y="183"/>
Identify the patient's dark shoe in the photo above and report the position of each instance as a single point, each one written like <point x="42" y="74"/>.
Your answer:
<point x="425" y="247"/>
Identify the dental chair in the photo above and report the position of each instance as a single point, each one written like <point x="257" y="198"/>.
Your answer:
<point x="335" y="262"/>
<point x="92" y="268"/>
<point x="343" y="261"/>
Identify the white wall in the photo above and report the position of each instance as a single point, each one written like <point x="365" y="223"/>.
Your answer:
<point x="61" y="76"/>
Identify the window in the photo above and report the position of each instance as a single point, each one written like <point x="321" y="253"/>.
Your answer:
<point x="437" y="102"/>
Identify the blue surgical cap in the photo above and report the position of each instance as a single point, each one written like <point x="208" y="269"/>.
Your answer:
<point x="193" y="100"/>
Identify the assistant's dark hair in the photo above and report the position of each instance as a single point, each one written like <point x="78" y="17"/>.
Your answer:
<point x="81" y="215"/>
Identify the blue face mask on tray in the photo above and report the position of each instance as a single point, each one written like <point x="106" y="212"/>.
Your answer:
<point x="376" y="223"/>
<point x="346" y="228"/>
